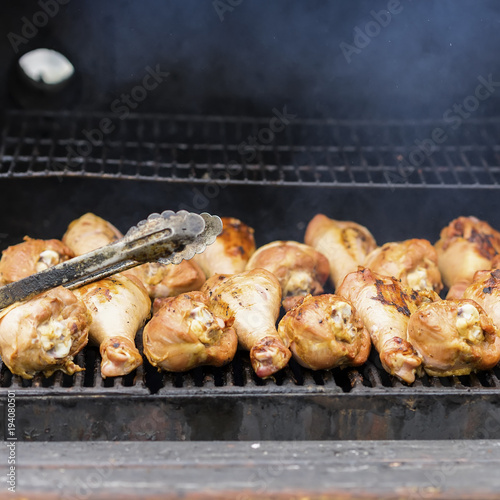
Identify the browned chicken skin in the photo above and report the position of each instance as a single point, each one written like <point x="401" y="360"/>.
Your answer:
<point x="385" y="308"/>
<point x="184" y="334"/>
<point x="300" y="269"/>
<point x="44" y="333"/>
<point x="119" y="306"/>
<point x="485" y="290"/>
<point x="454" y="337"/>
<point x="325" y="332"/>
<point x="345" y="244"/>
<point x="90" y="232"/>
<point x="231" y="250"/>
<point x="253" y="299"/>
<point x="30" y="257"/>
<point x="466" y="245"/>
<point x="413" y="262"/>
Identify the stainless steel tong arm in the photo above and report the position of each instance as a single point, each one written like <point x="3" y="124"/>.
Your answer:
<point x="168" y="238"/>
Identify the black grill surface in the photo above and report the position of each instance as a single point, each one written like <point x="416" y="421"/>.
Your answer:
<point x="238" y="377"/>
<point x="259" y="151"/>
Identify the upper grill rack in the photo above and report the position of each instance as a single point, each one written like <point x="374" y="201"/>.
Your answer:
<point x="278" y="150"/>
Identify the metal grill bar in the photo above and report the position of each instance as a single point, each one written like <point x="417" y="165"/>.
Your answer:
<point x="294" y="379"/>
<point x="244" y="150"/>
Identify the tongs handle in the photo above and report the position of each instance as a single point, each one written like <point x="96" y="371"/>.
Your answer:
<point x="167" y="238"/>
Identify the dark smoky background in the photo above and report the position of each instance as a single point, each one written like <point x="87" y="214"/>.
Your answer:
<point x="248" y="56"/>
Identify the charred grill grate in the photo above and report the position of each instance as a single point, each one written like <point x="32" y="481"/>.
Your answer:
<point x="301" y="152"/>
<point x="239" y="376"/>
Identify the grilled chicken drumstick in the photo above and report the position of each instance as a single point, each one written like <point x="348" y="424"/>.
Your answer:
<point x="30" y="257"/>
<point x="44" y="333"/>
<point x="231" y="250"/>
<point x="485" y="290"/>
<point x="90" y="232"/>
<point x="253" y="299"/>
<point x="300" y="269"/>
<point x="345" y="244"/>
<point x="184" y="334"/>
<point x="466" y="245"/>
<point x="119" y="306"/>
<point x="454" y="337"/>
<point x="413" y="262"/>
<point x="385" y="308"/>
<point x="325" y="332"/>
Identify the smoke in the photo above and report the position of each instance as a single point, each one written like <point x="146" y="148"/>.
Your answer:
<point x="264" y="54"/>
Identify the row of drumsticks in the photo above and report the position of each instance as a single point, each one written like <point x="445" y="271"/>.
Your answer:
<point x="230" y="296"/>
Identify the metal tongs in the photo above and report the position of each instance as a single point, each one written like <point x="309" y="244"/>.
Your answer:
<point x="167" y="238"/>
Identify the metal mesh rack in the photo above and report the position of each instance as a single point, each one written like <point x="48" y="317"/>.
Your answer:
<point x="252" y="151"/>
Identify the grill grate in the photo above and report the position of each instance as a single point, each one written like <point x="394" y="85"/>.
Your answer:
<point x="243" y="150"/>
<point x="238" y="375"/>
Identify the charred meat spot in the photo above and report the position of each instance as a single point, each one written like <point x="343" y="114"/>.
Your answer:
<point x="459" y="227"/>
<point x="388" y="294"/>
<point x="484" y="244"/>
<point x="404" y="310"/>
<point x="116" y="345"/>
<point x="487" y="289"/>
<point x="493" y="281"/>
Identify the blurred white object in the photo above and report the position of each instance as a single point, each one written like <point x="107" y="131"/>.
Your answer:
<point x="47" y="66"/>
